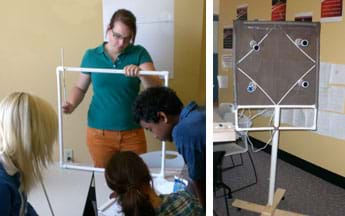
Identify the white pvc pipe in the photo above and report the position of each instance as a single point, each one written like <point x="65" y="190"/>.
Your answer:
<point x="275" y="140"/>
<point x="162" y="174"/>
<point x="111" y="71"/>
<point x="315" y="119"/>
<point x="239" y="107"/>
<point x="60" y="135"/>
<point x="273" y="106"/>
<point x="237" y="128"/>
<point x="83" y="168"/>
<point x="313" y="127"/>
<point x="274" y="153"/>
<point x="166" y="79"/>
<point x="61" y="69"/>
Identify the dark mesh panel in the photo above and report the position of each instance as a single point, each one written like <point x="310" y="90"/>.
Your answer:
<point x="277" y="64"/>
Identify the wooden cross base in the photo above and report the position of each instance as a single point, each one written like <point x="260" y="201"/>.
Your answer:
<point x="266" y="210"/>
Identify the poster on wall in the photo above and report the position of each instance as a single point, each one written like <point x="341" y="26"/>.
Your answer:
<point x="242" y="12"/>
<point x="227" y="61"/>
<point x="304" y="17"/>
<point x="331" y="10"/>
<point x="278" y="10"/>
<point x="227" y="38"/>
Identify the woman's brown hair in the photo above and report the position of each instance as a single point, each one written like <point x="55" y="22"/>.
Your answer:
<point x="127" y="18"/>
<point x="128" y="176"/>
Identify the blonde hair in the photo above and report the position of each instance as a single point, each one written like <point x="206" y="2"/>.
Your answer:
<point x="28" y="130"/>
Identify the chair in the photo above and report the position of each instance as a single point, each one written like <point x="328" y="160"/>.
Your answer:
<point x="218" y="178"/>
<point x="240" y="146"/>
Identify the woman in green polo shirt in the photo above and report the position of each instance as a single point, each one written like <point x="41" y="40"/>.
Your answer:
<point x="111" y="127"/>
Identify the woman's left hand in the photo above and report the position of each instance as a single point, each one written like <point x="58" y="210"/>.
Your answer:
<point x="132" y="70"/>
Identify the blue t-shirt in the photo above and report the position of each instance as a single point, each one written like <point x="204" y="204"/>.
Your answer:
<point x="10" y="196"/>
<point x="189" y="136"/>
<point x="113" y="94"/>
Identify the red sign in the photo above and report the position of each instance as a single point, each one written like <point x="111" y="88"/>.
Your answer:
<point x="278" y="10"/>
<point x="331" y="8"/>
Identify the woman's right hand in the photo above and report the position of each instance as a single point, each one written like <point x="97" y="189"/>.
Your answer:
<point x="67" y="107"/>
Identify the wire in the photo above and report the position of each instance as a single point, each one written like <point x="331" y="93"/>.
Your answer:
<point x="257" y="114"/>
<point x="269" y="140"/>
<point x="45" y="193"/>
<point x="259" y="149"/>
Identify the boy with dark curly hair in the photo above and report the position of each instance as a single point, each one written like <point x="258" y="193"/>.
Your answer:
<point x="160" y="111"/>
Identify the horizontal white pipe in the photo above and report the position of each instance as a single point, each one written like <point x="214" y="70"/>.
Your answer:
<point x="95" y="169"/>
<point x="111" y="71"/>
<point x="254" y="129"/>
<point x="272" y="128"/>
<point x="274" y="106"/>
<point x="312" y="127"/>
<point x="160" y="175"/>
<point x="83" y="168"/>
<point x="298" y="128"/>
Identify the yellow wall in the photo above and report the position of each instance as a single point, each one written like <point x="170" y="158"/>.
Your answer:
<point x="190" y="74"/>
<point x="33" y="32"/>
<point x="323" y="151"/>
<point x="216" y="7"/>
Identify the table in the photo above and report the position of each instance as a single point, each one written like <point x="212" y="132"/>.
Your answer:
<point x="222" y="131"/>
<point x="67" y="189"/>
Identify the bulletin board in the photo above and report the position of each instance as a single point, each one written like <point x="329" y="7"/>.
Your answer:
<point x="272" y="66"/>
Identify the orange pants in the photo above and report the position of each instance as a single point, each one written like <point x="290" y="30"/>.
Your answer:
<point x="104" y="143"/>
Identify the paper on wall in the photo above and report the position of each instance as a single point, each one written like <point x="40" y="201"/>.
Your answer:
<point x="227" y="61"/>
<point x="336" y="98"/>
<point x="160" y="50"/>
<point x="337" y="126"/>
<point x="337" y="75"/>
<point x="323" y="98"/>
<point x="323" y="126"/>
<point x="331" y="124"/>
<point x="325" y="71"/>
<point x="332" y="99"/>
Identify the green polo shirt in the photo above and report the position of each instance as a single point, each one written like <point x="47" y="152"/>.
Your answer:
<point x="113" y="94"/>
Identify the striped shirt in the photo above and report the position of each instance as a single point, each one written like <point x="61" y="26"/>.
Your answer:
<point x="180" y="203"/>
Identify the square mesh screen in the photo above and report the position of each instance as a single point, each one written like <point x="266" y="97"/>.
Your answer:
<point x="276" y="63"/>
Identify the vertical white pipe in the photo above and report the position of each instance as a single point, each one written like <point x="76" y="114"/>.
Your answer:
<point x="162" y="173"/>
<point x="58" y="78"/>
<point x="274" y="152"/>
<point x="315" y="119"/>
<point x="236" y="119"/>
<point x="166" y="80"/>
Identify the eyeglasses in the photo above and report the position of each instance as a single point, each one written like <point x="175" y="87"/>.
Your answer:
<point x="118" y="36"/>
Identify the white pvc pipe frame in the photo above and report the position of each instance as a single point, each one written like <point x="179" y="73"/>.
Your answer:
<point x="60" y="70"/>
<point x="275" y="141"/>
